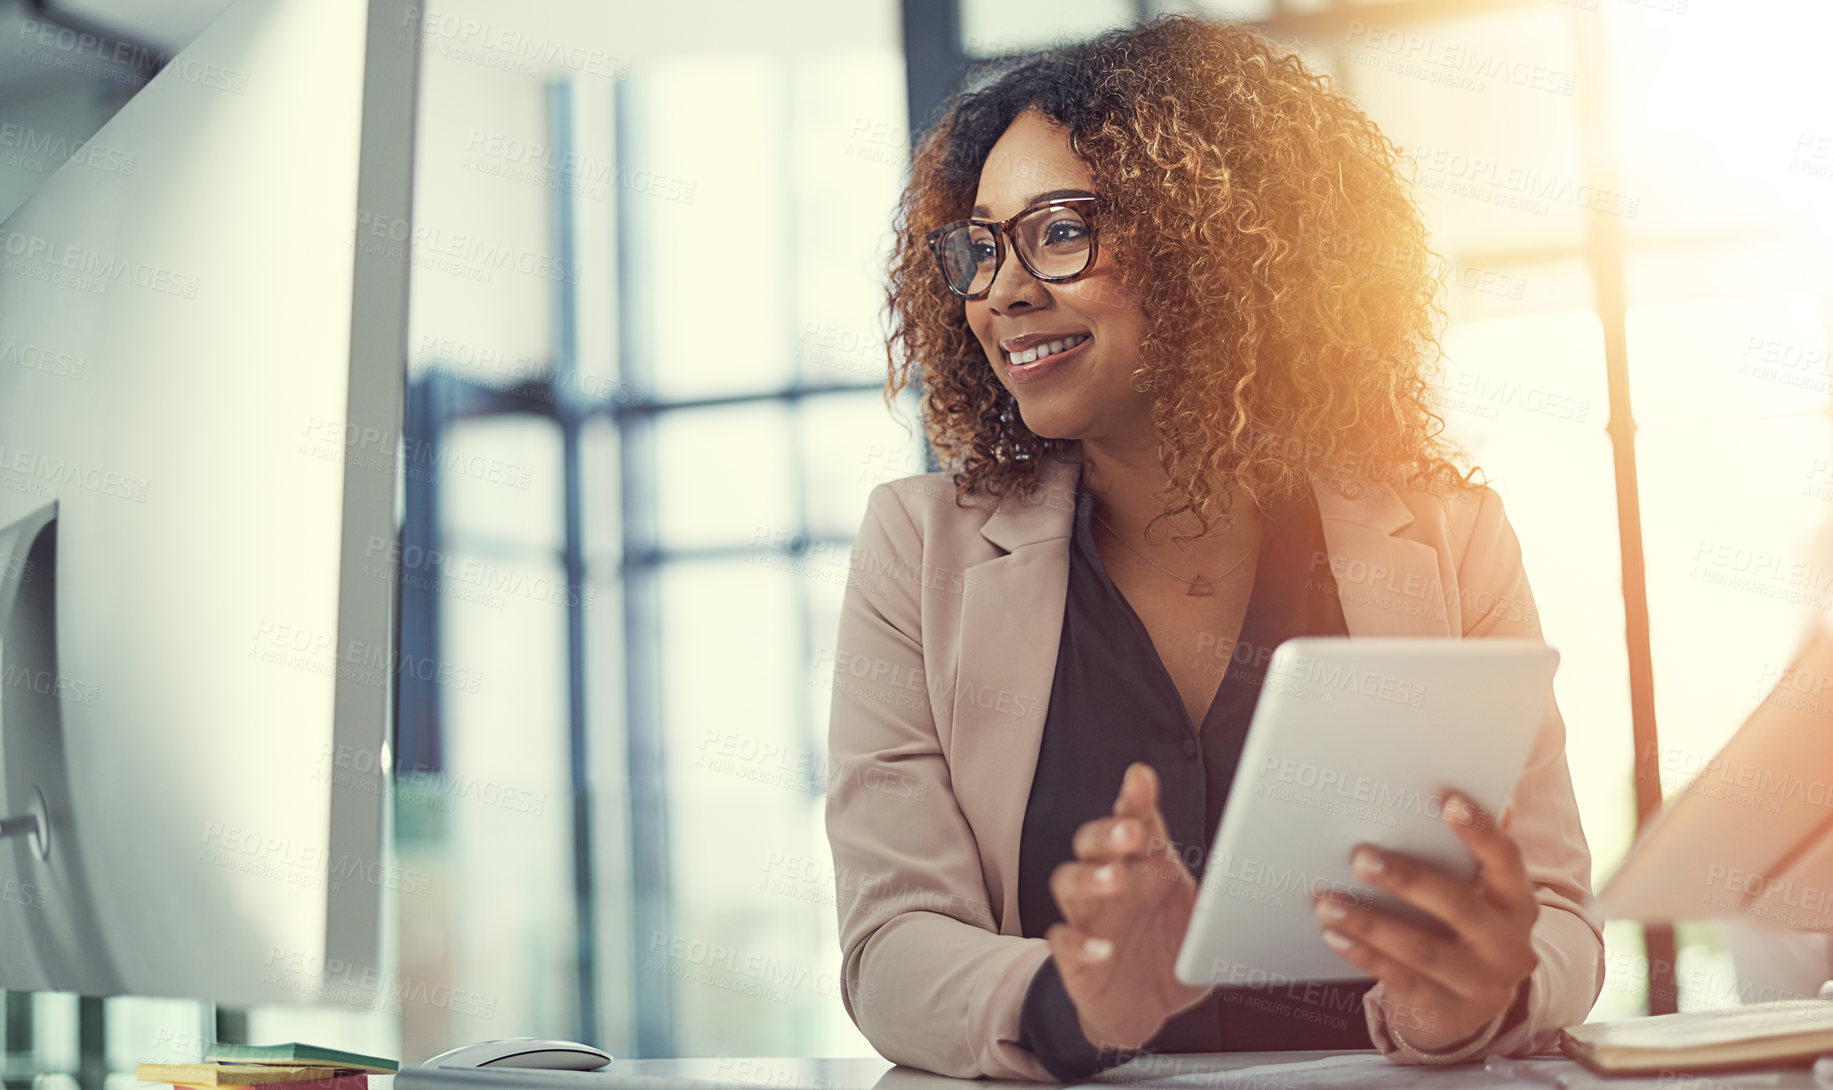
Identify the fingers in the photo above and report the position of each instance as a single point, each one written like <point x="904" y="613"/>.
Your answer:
<point x="1138" y="801"/>
<point x="1120" y="860"/>
<point x="1492" y="918"/>
<point x="1077" y="952"/>
<point x="1138" y="790"/>
<point x="1435" y="959"/>
<point x="1456" y="903"/>
<point x="1092" y="895"/>
<point x="1496" y="852"/>
<point x="1111" y="838"/>
<point x="1137" y="828"/>
<point x="1139" y="798"/>
<point x="1420" y="988"/>
<point x="1471" y="909"/>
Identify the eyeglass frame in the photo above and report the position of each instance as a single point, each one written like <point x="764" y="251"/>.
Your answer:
<point x="1003" y="229"/>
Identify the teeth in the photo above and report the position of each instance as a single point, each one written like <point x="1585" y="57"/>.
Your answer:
<point x="1032" y="355"/>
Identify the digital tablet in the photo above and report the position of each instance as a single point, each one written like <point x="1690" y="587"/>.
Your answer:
<point x="1355" y="741"/>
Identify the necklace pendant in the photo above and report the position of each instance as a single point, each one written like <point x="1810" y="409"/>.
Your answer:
<point x="1200" y="588"/>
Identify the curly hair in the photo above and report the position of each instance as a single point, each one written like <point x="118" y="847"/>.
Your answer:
<point x="1302" y="321"/>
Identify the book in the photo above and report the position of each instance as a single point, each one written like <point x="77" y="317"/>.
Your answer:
<point x="225" y="1075"/>
<point x="328" y="1079"/>
<point x="301" y="1055"/>
<point x="1784" y="1033"/>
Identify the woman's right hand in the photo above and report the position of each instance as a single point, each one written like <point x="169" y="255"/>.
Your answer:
<point x="1126" y="901"/>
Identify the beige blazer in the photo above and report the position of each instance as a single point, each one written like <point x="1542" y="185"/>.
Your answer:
<point x="946" y="649"/>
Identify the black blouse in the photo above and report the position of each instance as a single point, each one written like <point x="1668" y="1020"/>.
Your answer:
<point x="1112" y="703"/>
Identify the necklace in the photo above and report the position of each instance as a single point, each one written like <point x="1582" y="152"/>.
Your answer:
<point x="1198" y="586"/>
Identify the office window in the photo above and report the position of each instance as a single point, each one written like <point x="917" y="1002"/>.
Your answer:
<point x="847" y="450"/>
<point x="993" y="28"/>
<point x="715" y="266"/>
<point x="1734" y="446"/>
<point x="503" y="790"/>
<point x="1725" y="278"/>
<point x="764" y="439"/>
<point x="706" y="496"/>
<point x="1487" y="106"/>
<point x="1708" y="160"/>
<point x="744" y="782"/>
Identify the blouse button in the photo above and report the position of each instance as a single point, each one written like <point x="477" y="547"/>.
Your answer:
<point x="1190" y="748"/>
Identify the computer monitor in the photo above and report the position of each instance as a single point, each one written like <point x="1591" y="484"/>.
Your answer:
<point x="203" y="325"/>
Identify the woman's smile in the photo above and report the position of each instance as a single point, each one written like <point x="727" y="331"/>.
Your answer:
<point x="1035" y="363"/>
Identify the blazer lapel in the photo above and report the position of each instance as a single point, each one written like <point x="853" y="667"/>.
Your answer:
<point x="1388" y="584"/>
<point x="1010" y="629"/>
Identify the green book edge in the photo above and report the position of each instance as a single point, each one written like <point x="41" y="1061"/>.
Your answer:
<point x="295" y="1052"/>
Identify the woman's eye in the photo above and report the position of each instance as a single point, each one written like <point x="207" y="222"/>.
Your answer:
<point x="1064" y="231"/>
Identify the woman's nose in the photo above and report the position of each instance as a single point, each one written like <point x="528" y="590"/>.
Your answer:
<point x="1013" y="286"/>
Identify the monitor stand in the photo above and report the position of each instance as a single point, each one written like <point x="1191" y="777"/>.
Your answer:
<point x="47" y="916"/>
<point x="26" y="592"/>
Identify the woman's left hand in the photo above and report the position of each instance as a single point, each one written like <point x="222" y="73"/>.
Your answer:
<point x="1443" y="985"/>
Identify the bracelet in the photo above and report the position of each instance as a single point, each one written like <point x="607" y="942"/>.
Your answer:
<point x="1462" y="1052"/>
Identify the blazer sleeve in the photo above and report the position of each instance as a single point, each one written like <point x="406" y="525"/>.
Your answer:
<point x="1493" y="599"/>
<point x="925" y="975"/>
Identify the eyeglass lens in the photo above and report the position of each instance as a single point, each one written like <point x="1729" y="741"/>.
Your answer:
<point x="1052" y="242"/>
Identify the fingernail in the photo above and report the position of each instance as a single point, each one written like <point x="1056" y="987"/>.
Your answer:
<point x="1119" y="835"/>
<point x="1098" y="949"/>
<point x="1330" y="910"/>
<point x="1458" y="810"/>
<point x="1336" y="941"/>
<point x="1369" y="862"/>
<point x="1104" y="876"/>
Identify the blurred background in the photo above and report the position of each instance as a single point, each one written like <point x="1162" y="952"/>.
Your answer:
<point x="646" y="358"/>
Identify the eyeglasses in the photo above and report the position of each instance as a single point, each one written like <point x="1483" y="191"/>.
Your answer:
<point x="1055" y="241"/>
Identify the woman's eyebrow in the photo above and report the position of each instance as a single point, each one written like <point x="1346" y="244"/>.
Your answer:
<point x="981" y="212"/>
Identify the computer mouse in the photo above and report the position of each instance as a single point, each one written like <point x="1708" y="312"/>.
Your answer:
<point x="524" y="1052"/>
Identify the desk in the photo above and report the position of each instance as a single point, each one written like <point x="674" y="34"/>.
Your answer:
<point x="1189" y="1071"/>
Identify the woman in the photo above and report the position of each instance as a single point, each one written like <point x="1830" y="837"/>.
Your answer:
<point x="1173" y="309"/>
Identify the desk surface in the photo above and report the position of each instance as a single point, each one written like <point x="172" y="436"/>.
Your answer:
<point x="760" y="1073"/>
<point x="1363" y="1070"/>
